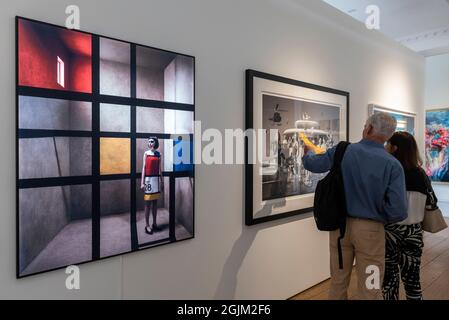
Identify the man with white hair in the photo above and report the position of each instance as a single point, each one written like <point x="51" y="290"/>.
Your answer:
<point x="374" y="185"/>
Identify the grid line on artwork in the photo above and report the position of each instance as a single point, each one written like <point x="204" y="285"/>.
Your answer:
<point x="134" y="236"/>
<point x="95" y="98"/>
<point x="79" y="180"/>
<point x="43" y="133"/>
<point x="96" y="241"/>
<point x="87" y="97"/>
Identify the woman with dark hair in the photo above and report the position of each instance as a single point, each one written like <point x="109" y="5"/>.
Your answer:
<point x="151" y="182"/>
<point x="404" y="240"/>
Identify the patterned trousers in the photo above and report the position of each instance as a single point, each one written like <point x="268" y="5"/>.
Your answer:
<point x="403" y="250"/>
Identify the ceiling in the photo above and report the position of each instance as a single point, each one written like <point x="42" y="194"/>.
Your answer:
<point x="421" y="25"/>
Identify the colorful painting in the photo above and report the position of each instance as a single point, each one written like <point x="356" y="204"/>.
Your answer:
<point x="437" y="145"/>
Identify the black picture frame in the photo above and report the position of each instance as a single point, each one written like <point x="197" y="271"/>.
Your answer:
<point x="249" y="124"/>
<point x="95" y="97"/>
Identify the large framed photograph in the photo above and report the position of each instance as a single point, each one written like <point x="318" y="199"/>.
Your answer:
<point x="104" y="146"/>
<point x="437" y="145"/>
<point x="281" y="112"/>
<point x="406" y="121"/>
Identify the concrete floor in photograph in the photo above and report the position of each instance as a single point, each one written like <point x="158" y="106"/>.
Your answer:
<point x="73" y="244"/>
<point x="162" y="222"/>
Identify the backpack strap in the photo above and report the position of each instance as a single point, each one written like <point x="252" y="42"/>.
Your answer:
<point x="339" y="154"/>
<point x="338" y="159"/>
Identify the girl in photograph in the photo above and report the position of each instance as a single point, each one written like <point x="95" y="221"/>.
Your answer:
<point x="152" y="182"/>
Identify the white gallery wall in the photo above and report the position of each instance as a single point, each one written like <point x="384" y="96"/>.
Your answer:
<point x="437" y="97"/>
<point x="301" y="39"/>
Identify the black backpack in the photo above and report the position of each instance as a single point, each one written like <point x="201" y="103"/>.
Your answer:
<point x="329" y="208"/>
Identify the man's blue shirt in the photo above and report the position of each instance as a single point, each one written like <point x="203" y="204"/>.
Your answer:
<point x="373" y="179"/>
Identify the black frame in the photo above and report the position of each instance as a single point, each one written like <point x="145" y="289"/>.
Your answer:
<point x="95" y="178"/>
<point x="249" y="124"/>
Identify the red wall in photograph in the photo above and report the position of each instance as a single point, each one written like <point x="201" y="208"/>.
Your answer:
<point x="39" y="47"/>
<point x="81" y="71"/>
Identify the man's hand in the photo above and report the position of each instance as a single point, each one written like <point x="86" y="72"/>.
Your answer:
<point x="309" y="146"/>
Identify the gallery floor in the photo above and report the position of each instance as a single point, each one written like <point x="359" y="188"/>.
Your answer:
<point x="73" y="242"/>
<point x="434" y="272"/>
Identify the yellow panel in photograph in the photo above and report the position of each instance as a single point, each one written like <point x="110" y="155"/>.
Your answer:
<point x="115" y="155"/>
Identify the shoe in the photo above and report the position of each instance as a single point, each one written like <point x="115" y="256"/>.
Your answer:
<point x="148" y="232"/>
<point x="155" y="227"/>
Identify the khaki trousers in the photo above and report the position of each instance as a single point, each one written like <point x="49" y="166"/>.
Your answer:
<point x="365" y="241"/>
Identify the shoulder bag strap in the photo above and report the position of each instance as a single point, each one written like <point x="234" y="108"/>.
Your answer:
<point x="431" y="197"/>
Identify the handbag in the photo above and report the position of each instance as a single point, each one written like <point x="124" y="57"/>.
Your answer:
<point x="433" y="217"/>
<point x="433" y="221"/>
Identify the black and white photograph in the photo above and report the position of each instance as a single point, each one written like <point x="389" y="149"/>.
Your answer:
<point x="289" y="113"/>
<point x="283" y="173"/>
